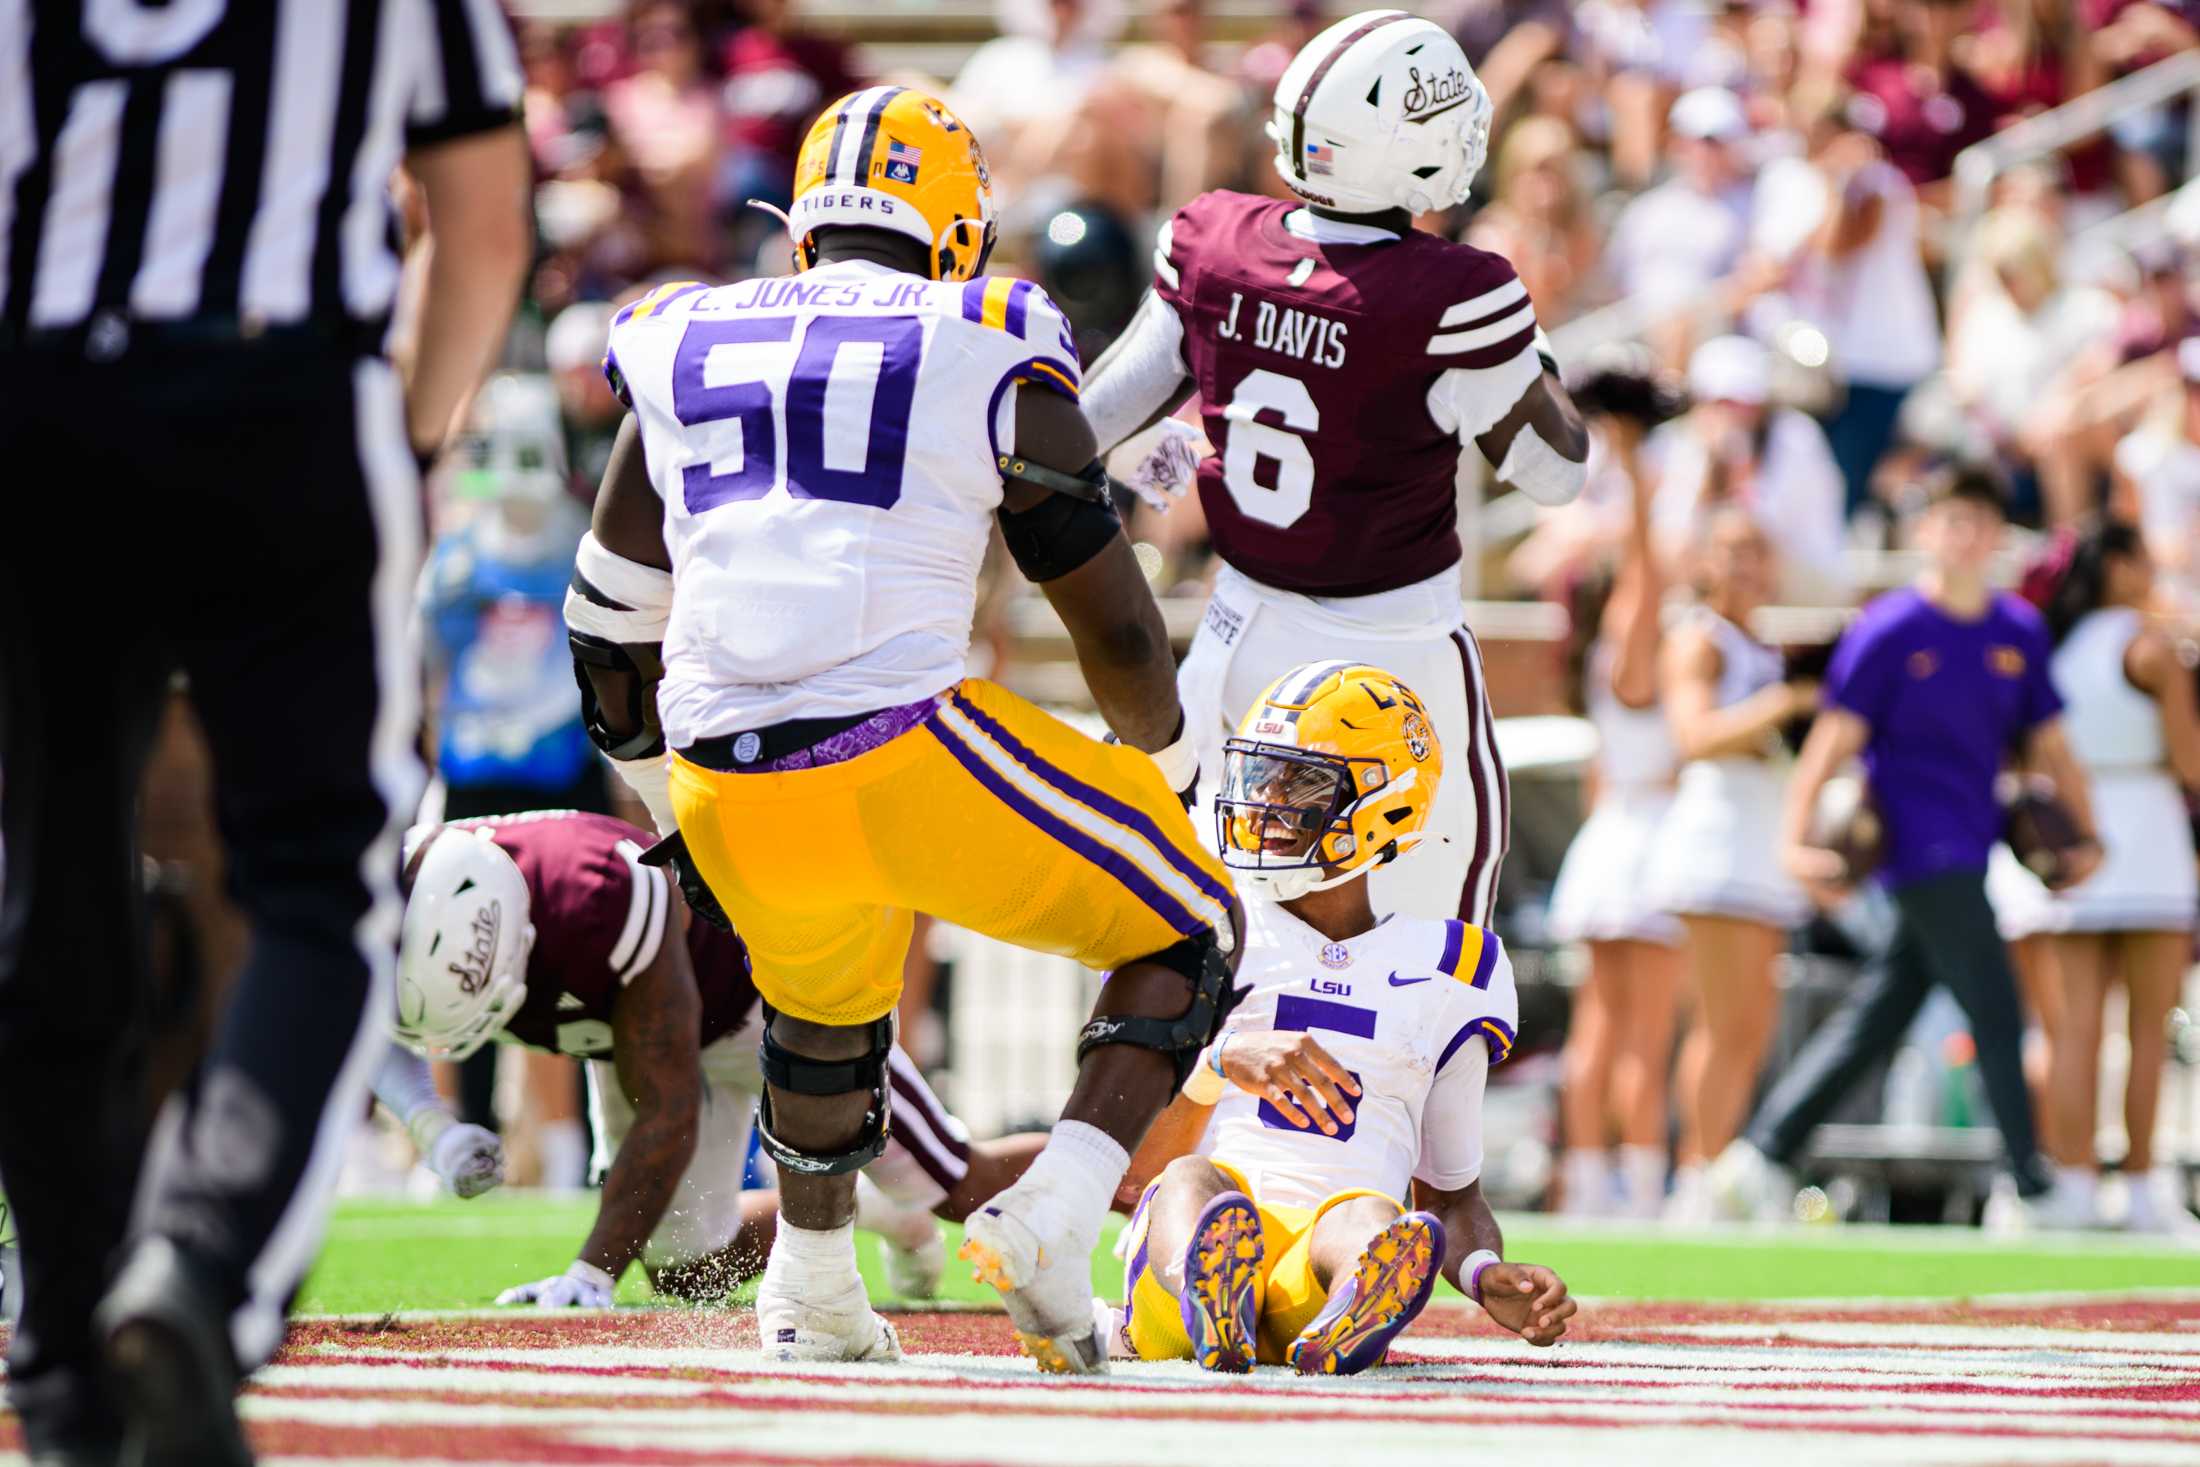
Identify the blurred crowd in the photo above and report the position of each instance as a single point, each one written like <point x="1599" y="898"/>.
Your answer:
<point x="1740" y="221"/>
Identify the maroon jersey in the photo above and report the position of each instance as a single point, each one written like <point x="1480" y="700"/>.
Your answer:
<point x="600" y="917"/>
<point x="1314" y="362"/>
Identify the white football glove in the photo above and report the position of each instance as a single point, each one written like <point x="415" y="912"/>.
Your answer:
<point x="1158" y="462"/>
<point x="583" y="1286"/>
<point x="469" y="1159"/>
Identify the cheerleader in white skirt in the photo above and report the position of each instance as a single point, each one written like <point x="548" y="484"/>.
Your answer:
<point x="1619" y="1043"/>
<point x="2134" y="725"/>
<point x="1718" y="863"/>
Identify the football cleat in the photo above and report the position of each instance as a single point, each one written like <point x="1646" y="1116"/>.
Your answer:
<point x="1041" y="1261"/>
<point x="797" y="1326"/>
<point x="1392" y="1282"/>
<point x="913" y="1272"/>
<point x="1220" y="1301"/>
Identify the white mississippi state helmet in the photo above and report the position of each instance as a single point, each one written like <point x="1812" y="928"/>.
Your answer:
<point x="462" y="953"/>
<point x="1381" y="111"/>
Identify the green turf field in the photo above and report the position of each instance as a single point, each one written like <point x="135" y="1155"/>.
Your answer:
<point x="450" y="1255"/>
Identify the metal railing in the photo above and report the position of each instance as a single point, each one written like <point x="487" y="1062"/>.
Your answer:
<point x="2058" y="128"/>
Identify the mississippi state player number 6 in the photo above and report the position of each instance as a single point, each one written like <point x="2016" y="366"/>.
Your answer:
<point x="1291" y="492"/>
<point x="860" y="371"/>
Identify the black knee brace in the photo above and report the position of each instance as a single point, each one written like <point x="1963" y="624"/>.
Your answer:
<point x="803" y="1075"/>
<point x="1207" y="968"/>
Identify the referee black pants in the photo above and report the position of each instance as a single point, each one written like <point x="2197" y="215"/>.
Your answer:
<point x="250" y="518"/>
<point x="1944" y="934"/>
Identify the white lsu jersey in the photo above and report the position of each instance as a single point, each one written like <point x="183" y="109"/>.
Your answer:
<point x="1417" y="1010"/>
<point x="825" y="446"/>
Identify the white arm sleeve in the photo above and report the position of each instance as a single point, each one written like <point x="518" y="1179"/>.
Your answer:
<point x="1467" y="402"/>
<point x="1135" y="378"/>
<point x="1451" y="1122"/>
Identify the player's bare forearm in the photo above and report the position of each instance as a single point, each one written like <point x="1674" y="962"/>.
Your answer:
<point x="1122" y="645"/>
<point x="1552" y="476"/>
<point x="1469" y="1226"/>
<point x="656" y="1047"/>
<point x="1175" y="1132"/>
<point x="475" y="256"/>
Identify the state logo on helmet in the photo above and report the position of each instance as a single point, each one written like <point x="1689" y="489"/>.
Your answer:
<point x="893" y="158"/>
<point x="1381" y="111"/>
<point x="1333" y="771"/>
<point x="462" y="950"/>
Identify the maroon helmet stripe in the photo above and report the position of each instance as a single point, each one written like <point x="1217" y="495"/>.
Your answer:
<point x="1306" y="96"/>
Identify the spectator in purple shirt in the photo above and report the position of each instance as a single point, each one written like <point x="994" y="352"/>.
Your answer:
<point x="1933" y="685"/>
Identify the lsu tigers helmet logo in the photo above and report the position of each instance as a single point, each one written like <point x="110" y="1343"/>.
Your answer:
<point x="1334" y="771"/>
<point x="893" y="158"/>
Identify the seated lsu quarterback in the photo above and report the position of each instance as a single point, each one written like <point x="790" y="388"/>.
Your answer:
<point x="1282" y="1235"/>
<point x="778" y="587"/>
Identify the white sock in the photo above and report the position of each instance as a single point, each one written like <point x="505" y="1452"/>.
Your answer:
<point x="563" y="1147"/>
<point x="2080" y="1182"/>
<point x="1642" y="1177"/>
<point x="827" y="1254"/>
<point x="1084" y="1165"/>
<point x="1587" y="1178"/>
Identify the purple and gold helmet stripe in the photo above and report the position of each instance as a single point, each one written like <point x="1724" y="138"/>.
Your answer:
<point x="1085" y="842"/>
<point x="869" y="145"/>
<point x="1130" y="817"/>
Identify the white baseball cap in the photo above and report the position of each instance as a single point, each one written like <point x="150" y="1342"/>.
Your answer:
<point x="1730" y="369"/>
<point x="1713" y="114"/>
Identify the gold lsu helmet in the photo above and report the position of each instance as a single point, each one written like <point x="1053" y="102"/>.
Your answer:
<point x="894" y="158"/>
<point x="1333" y="772"/>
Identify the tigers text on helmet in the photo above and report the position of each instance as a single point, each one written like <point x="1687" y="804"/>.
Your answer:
<point x="462" y="951"/>
<point x="895" y="159"/>
<point x="1381" y="111"/>
<point x="1333" y="772"/>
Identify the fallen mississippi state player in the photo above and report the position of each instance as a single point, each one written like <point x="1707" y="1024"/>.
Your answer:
<point x="546" y="930"/>
<point x="1282" y="1233"/>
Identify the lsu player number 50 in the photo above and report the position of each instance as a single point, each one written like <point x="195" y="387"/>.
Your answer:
<point x="1315" y="1204"/>
<point x="791" y="529"/>
<point x="1344" y="361"/>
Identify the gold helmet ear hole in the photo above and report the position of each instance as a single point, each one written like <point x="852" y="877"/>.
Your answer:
<point x="1374" y="777"/>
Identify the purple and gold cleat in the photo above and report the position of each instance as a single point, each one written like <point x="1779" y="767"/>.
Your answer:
<point x="1396" y="1274"/>
<point x="1220" y="1301"/>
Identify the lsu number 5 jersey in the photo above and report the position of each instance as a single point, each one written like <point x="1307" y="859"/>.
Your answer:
<point x="1340" y="368"/>
<point x="1417" y="1010"/>
<point x="824" y="444"/>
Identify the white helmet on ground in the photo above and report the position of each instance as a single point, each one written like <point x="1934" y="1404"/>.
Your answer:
<point x="1381" y="111"/>
<point x="462" y="955"/>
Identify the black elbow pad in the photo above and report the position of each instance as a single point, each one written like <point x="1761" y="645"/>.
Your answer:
<point x="648" y="741"/>
<point x="1058" y="534"/>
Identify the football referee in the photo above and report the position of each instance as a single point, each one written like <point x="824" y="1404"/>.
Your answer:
<point x="212" y="466"/>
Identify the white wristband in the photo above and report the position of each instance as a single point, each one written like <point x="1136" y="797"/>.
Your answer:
<point x="1470" y="1271"/>
<point x="1205" y="1084"/>
<point x="1179" y="762"/>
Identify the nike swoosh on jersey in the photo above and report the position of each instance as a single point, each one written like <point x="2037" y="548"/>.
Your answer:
<point x="1397" y="982"/>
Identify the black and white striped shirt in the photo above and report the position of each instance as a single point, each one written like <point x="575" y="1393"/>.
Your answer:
<point x="225" y="159"/>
